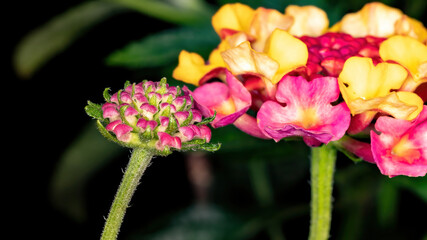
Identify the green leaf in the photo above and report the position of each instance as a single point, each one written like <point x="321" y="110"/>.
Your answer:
<point x="94" y="110"/>
<point x="164" y="47"/>
<point x="86" y="155"/>
<point x="189" y="12"/>
<point x="39" y="46"/>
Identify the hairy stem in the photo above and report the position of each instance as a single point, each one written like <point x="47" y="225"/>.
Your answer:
<point x="138" y="162"/>
<point x="322" y="170"/>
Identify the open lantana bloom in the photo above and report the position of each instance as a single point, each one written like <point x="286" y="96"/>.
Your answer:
<point x="308" y="111"/>
<point x="285" y="74"/>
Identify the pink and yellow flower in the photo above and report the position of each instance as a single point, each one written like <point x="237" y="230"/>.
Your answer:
<point x="401" y="146"/>
<point x="308" y="112"/>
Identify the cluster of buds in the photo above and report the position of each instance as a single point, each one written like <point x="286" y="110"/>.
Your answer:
<point x="328" y="52"/>
<point x="153" y="115"/>
<point x="364" y="76"/>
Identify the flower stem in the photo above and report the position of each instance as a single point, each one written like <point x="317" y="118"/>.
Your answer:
<point x="137" y="164"/>
<point x="322" y="171"/>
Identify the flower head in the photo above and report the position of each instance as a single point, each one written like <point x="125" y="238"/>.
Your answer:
<point x="152" y="115"/>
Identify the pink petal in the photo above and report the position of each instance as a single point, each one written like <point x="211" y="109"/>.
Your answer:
<point x="110" y="112"/>
<point x="248" y="124"/>
<point x="112" y="125"/>
<point x="130" y="111"/>
<point x="308" y="111"/>
<point x="187" y="133"/>
<point x="122" y="132"/>
<point x="401" y="148"/>
<point x="230" y="100"/>
<point x="205" y="133"/>
<point x="167" y="140"/>
<point x="197" y="116"/>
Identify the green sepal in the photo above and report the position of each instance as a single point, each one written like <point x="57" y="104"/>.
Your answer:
<point x="163" y="86"/>
<point x="207" y="120"/>
<point x="149" y="89"/>
<point x="127" y="84"/>
<point x="172" y="126"/>
<point x="188" y="120"/>
<point x="169" y="99"/>
<point x="147" y="134"/>
<point x="124" y="119"/>
<point x="200" y="144"/>
<point x="210" y="147"/>
<point x="166" y="151"/>
<point x="348" y="154"/>
<point x="118" y="96"/>
<point x="94" y="110"/>
<point x="182" y="108"/>
<point x="153" y="100"/>
<point x="104" y="132"/>
<point x="107" y="95"/>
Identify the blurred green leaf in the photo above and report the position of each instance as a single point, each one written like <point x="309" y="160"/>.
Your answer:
<point x="189" y="12"/>
<point x="164" y="47"/>
<point x="39" y="46"/>
<point x="387" y="206"/>
<point x="417" y="185"/>
<point x="88" y="153"/>
<point x="197" y="222"/>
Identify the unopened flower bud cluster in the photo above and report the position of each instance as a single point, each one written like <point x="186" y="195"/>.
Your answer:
<point x="154" y="111"/>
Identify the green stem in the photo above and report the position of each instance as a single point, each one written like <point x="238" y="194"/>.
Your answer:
<point x="264" y="194"/>
<point x="137" y="164"/>
<point x="322" y="171"/>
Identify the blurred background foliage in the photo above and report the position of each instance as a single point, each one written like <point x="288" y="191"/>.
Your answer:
<point x="61" y="54"/>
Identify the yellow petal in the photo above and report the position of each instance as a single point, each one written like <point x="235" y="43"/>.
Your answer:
<point x="376" y="19"/>
<point x="288" y="51"/>
<point x="366" y="87"/>
<point x="243" y="59"/>
<point x="401" y="105"/>
<point x="408" y="52"/>
<point x="191" y="68"/>
<point x="264" y="22"/>
<point x="366" y="81"/>
<point x="215" y="57"/>
<point x="308" y="20"/>
<point x="234" y="16"/>
<point x="336" y="27"/>
<point x="407" y="26"/>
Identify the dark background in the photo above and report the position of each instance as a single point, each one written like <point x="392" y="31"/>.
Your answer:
<point x="45" y="114"/>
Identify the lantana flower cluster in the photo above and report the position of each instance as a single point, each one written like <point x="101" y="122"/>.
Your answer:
<point x="278" y="75"/>
<point x="154" y="116"/>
